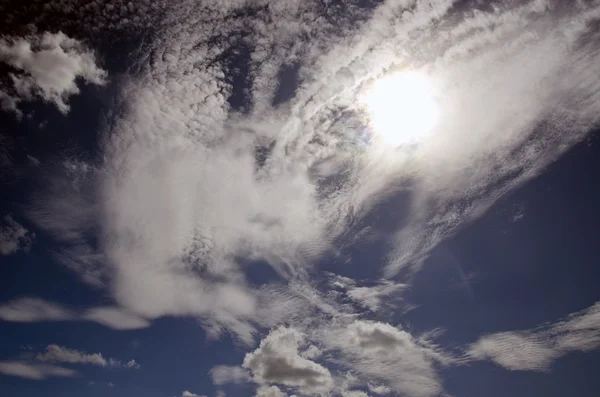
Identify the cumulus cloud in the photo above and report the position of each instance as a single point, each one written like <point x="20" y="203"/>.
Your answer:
<point x="14" y="237"/>
<point x="536" y="350"/>
<point x="29" y="310"/>
<point x="222" y="374"/>
<point x="277" y="361"/>
<point x="60" y="354"/>
<point x="48" y="67"/>
<point x="34" y="371"/>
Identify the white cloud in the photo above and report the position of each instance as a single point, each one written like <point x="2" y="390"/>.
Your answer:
<point x="354" y="393"/>
<point x="277" y="361"/>
<point x="186" y="393"/>
<point x="390" y="357"/>
<point x="27" y="310"/>
<point x="223" y="374"/>
<point x="269" y="391"/>
<point x="179" y="196"/>
<point x="60" y="354"/>
<point x="132" y="364"/>
<point x="379" y="389"/>
<point x="48" y="68"/>
<point x="33" y="371"/>
<point x="115" y="318"/>
<point x="14" y="237"/>
<point x="537" y="349"/>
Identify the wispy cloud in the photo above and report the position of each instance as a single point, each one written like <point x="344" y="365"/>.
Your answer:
<point x="34" y="371"/>
<point x="537" y="349"/>
<point x="60" y="354"/>
<point x="223" y="374"/>
<point x="29" y="310"/>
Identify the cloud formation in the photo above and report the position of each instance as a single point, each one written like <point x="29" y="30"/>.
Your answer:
<point x="14" y="237"/>
<point x="187" y="393"/>
<point x="47" y="67"/>
<point x="60" y="354"/>
<point x="29" y="310"/>
<point x="223" y="374"/>
<point x="194" y="190"/>
<point x="537" y="349"/>
<point x="277" y="361"/>
<point x="389" y="357"/>
<point x="34" y="371"/>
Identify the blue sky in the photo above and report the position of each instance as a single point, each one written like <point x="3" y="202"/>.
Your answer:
<point x="298" y="198"/>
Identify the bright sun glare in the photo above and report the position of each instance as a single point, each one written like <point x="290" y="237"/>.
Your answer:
<point x="402" y="108"/>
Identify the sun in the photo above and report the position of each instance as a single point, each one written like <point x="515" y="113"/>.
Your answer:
<point x="402" y="108"/>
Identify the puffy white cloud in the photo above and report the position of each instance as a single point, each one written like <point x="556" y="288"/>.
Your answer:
<point x="60" y="354"/>
<point x="537" y="349"/>
<point x="33" y="371"/>
<point x="277" y="361"/>
<point x="222" y="374"/>
<point x="13" y="236"/>
<point x="49" y="66"/>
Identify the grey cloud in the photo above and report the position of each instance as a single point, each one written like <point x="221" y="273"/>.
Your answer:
<point x="34" y="371"/>
<point x="536" y="350"/>
<point x="13" y="236"/>
<point x="49" y="66"/>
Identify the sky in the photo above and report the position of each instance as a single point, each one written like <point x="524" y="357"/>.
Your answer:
<point x="284" y="198"/>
